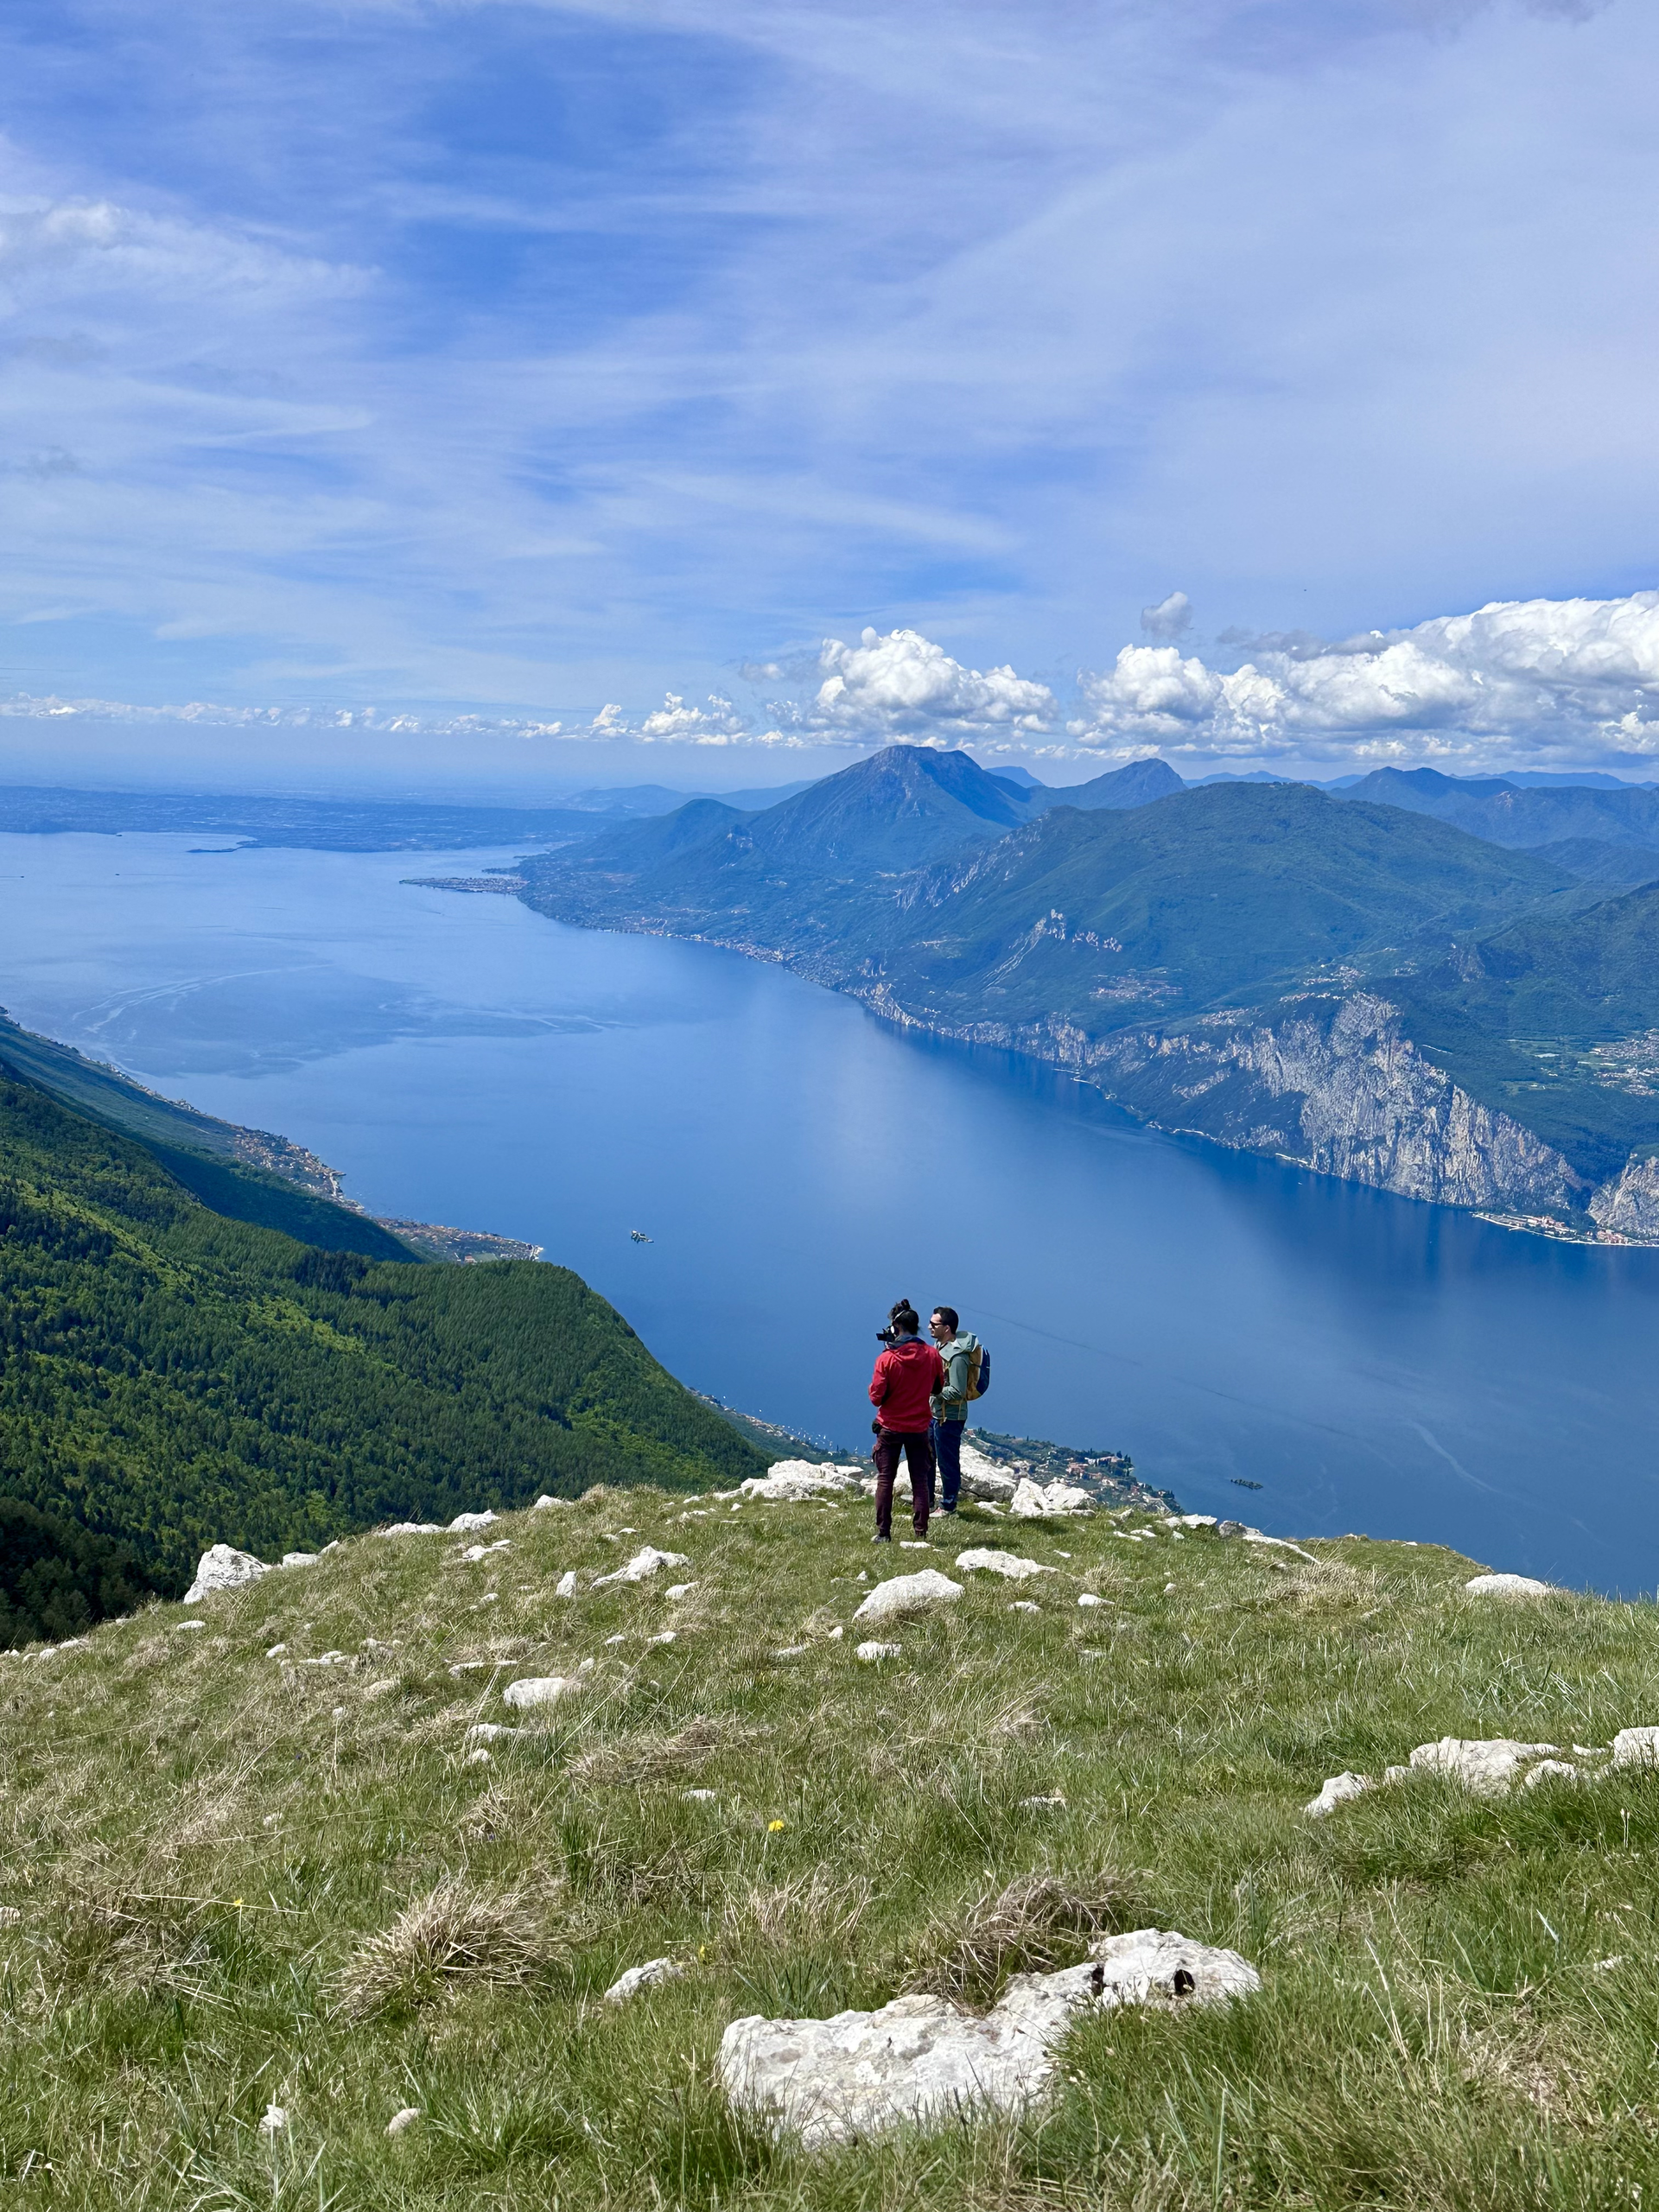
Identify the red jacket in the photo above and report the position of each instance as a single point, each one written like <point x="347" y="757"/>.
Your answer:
<point x="907" y="1376"/>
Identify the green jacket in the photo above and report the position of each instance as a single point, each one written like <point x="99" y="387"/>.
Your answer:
<point x="961" y="1358"/>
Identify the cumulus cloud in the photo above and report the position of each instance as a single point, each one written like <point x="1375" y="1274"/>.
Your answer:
<point x="1169" y="618"/>
<point x="1517" y="679"/>
<point x="903" y="685"/>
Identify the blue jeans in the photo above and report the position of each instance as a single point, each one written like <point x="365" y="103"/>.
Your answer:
<point x="947" y="1447"/>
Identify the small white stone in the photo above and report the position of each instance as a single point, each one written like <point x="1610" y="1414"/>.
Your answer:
<point x="480" y="1757"/>
<point x="620" y="1638"/>
<point x="485" y="1731"/>
<point x="677" y="1590"/>
<point x="276" y="1651"/>
<point x="401" y="2122"/>
<point x="300" y="1559"/>
<point x="1025" y="1605"/>
<point x="1508" y="1585"/>
<point x="1637" y="1747"/>
<point x="566" y="1584"/>
<point x="1488" y="1766"/>
<point x="643" y="1564"/>
<point x="700" y="1796"/>
<point x="537" y="1689"/>
<point x="835" y="1633"/>
<point x="463" y="1522"/>
<point x="1558" y="1770"/>
<point x="870" y="1652"/>
<point x="662" y="1636"/>
<point x="1009" y="1564"/>
<point x="1054" y="1799"/>
<point x="1339" y="1791"/>
<point x="1088" y="1598"/>
<point x="909" y="1593"/>
<point x="646" y="1977"/>
<point x="223" y="1567"/>
<point x="1170" y="1589"/>
<point x="413" y="1528"/>
<point x="329" y="1659"/>
<point x="182" y="1627"/>
<point x="275" y="2121"/>
<point x="544" y="1504"/>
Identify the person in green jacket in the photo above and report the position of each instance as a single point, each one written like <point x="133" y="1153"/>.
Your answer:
<point x="959" y="1350"/>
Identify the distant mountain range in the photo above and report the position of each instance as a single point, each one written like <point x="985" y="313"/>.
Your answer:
<point x="1419" y="982"/>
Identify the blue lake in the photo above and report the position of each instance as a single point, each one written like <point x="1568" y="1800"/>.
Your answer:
<point x="1375" y="1366"/>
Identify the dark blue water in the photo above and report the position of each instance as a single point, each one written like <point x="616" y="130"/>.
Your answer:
<point x="1376" y="1365"/>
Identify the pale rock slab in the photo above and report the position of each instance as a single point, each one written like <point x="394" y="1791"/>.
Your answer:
<point x="643" y="1564"/>
<point x="1637" y="1747"/>
<point x="566" y="1584"/>
<point x="646" y="1977"/>
<point x="923" y="2059"/>
<point x="414" y="1529"/>
<point x="546" y="1505"/>
<point x="1508" y="1585"/>
<point x="982" y="1478"/>
<point x="1339" y="1791"/>
<point x="463" y="1522"/>
<point x="1035" y="1501"/>
<point x="908" y="1593"/>
<point x="795" y="1481"/>
<point x="1009" y="1565"/>
<point x="537" y="1690"/>
<point x="1486" y="1766"/>
<point x="1555" y="1769"/>
<point x="223" y="1567"/>
<point x="871" y="1653"/>
<point x="300" y="1559"/>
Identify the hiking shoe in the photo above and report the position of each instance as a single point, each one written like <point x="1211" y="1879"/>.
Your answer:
<point x="880" y="1540"/>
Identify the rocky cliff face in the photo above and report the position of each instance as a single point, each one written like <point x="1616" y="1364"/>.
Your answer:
<point x="1629" y="1204"/>
<point x="1331" y="1082"/>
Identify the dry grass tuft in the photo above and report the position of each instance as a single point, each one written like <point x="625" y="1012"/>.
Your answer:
<point x="1329" y="1586"/>
<point x="1035" y="1924"/>
<point x="455" y="1936"/>
<point x="637" y="1759"/>
<point x="816" y="1907"/>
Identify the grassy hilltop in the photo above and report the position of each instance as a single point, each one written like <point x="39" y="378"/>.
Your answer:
<point x="238" y="1878"/>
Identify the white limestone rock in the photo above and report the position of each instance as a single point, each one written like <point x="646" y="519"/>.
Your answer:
<point x="908" y="1593"/>
<point x="1087" y="1597"/>
<point x="566" y="1584"/>
<point x="1338" y="1791"/>
<point x="401" y="2122"/>
<point x="793" y="1481"/>
<point x="223" y="1567"/>
<point x="1637" y="1747"/>
<point x="485" y="1731"/>
<point x="1508" y="1585"/>
<point x="1035" y="1501"/>
<point x="643" y="1564"/>
<point x="273" y="2121"/>
<point x="646" y="1977"/>
<point x="463" y="1522"/>
<point x="922" y="2059"/>
<point x="871" y="1654"/>
<point x="300" y="1559"/>
<point x="1554" y="1770"/>
<point x="1009" y="1565"/>
<point x="546" y="1505"/>
<point x="537" y="1690"/>
<point x="678" y="1590"/>
<point x="475" y="1552"/>
<point x="982" y="1478"/>
<point x="1486" y="1766"/>
<point x="414" y="1529"/>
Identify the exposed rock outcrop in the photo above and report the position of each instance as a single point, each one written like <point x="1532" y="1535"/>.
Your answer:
<point x="1629" y="1204"/>
<point x="223" y="1567"/>
<point x="923" y="2058"/>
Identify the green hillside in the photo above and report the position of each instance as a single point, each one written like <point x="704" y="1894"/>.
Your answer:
<point x="242" y="1878"/>
<point x="173" y="1377"/>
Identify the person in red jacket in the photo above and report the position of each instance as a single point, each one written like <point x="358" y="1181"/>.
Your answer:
<point x="908" y="1373"/>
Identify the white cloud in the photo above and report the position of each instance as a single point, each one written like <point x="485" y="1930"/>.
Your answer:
<point x="1170" y="617"/>
<point x="903" y="684"/>
<point x="1517" y="680"/>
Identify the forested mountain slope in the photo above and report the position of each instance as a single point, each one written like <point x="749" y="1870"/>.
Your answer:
<point x="1366" y="988"/>
<point x="172" y="1377"/>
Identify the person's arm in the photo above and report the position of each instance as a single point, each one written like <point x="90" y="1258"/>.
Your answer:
<point x="878" y="1380"/>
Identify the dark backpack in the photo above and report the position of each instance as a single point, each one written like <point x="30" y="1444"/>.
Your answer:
<point x="980" y="1380"/>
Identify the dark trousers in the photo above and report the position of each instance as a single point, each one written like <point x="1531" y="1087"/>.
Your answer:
<point x="917" y="1450"/>
<point x="947" y="1445"/>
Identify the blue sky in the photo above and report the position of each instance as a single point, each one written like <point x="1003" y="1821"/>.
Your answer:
<point x="1098" y="377"/>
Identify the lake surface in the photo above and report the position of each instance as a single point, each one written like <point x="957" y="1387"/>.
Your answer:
<point x="1375" y="1366"/>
